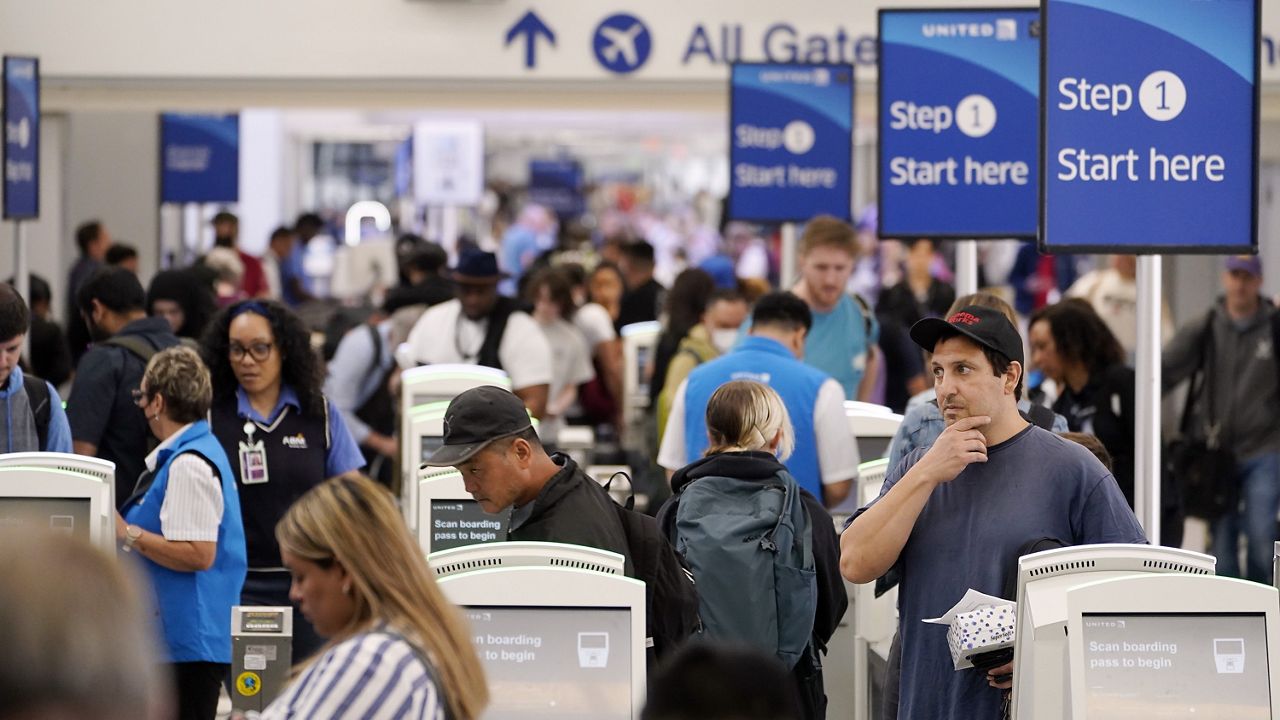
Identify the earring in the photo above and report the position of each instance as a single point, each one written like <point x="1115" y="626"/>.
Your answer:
<point x="346" y="588"/>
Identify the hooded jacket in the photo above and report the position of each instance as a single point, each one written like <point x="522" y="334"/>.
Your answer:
<point x="1241" y="374"/>
<point x="574" y="509"/>
<point x="762" y="466"/>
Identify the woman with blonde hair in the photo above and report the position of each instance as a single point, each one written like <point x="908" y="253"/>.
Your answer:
<point x="750" y="434"/>
<point x="396" y="648"/>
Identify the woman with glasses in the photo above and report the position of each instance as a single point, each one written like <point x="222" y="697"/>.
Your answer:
<point x="282" y="435"/>
<point x="183" y="524"/>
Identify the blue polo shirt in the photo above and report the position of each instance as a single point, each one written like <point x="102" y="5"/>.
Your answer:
<point x="767" y="361"/>
<point x="344" y="454"/>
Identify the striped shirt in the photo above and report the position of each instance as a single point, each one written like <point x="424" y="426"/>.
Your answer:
<point x="371" y="676"/>
<point x="192" y="508"/>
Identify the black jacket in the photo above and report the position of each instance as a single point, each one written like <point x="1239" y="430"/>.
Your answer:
<point x="832" y="600"/>
<point x="1105" y="407"/>
<point x="572" y="508"/>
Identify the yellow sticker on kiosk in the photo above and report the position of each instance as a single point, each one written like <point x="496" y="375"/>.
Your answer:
<point x="248" y="684"/>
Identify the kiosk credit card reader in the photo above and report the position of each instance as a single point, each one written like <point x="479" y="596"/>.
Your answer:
<point x="261" y="655"/>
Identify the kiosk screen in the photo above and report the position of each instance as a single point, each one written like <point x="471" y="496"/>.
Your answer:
<point x="566" y="663"/>
<point x="430" y="443"/>
<point x="455" y="523"/>
<point x="1176" y="665"/>
<point x="63" y="515"/>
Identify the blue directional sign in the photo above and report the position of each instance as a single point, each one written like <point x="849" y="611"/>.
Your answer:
<point x="530" y="27"/>
<point x="1150" y="113"/>
<point x="791" y="141"/>
<point x="199" y="158"/>
<point x="557" y="185"/>
<point x="958" y="122"/>
<point x="622" y="43"/>
<point x="20" y="158"/>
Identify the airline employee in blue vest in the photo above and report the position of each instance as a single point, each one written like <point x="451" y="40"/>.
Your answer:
<point x="183" y="522"/>
<point x="281" y="434"/>
<point x="825" y="458"/>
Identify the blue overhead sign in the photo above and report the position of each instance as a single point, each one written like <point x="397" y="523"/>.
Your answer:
<point x="791" y="141"/>
<point x="199" y="158"/>
<point x="958" y="122"/>
<point x="557" y="185"/>
<point x="20" y="158"/>
<point x="1150" y="113"/>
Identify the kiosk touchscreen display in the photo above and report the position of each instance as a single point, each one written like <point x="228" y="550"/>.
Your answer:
<point x="567" y="663"/>
<point x="1176" y="665"/>
<point x="430" y="443"/>
<point x="62" y="515"/>
<point x="455" y="523"/>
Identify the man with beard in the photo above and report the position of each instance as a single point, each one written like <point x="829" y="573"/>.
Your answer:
<point x="105" y="422"/>
<point x="481" y="327"/>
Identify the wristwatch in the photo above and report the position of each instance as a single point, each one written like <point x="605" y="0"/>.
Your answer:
<point x="131" y="535"/>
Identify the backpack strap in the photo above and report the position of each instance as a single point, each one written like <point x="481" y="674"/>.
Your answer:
<point x="488" y="355"/>
<point x="134" y="344"/>
<point x="41" y="406"/>
<point x="1040" y="416"/>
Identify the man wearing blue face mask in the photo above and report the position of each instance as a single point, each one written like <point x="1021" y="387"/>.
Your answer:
<point x="824" y="461"/>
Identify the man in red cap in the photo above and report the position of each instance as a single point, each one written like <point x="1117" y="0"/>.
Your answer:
<point x="481" y="327"/>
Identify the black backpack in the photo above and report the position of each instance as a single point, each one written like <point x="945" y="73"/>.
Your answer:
<point x="40" y="400"/>
<point x="671" y="599"/>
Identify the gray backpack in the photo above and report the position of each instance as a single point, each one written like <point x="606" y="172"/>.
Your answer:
<point x="750" y="547"/>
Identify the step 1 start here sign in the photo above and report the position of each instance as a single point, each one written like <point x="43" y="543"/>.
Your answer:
<point x="1152" y="145"/>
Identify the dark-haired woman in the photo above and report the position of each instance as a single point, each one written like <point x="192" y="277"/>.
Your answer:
<point x="184" y="299"/>
<point x="1072" y="345"/>
<point x="282" y="435"/>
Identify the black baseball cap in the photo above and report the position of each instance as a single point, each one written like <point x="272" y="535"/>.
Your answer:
<point x="476" y="418"/>
<point x="986" y="326"/>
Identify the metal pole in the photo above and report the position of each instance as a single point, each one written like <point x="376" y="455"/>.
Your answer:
<point x="787" y="273"/>
<point x="21" y="275"/>
<point x="966" y="267"/>
<point x="1146" y="475"/>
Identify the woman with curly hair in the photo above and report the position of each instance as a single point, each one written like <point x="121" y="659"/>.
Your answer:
<point x="184" y="299"/>
<point x="282" y="436"/>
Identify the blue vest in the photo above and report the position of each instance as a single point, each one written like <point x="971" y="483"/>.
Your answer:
<point x="768" y="361"/>
<point x="195" y="607"/>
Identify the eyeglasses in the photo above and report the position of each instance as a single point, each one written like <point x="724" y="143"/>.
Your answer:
<point x="258" y="351"/>
<point x="140" y="397"/>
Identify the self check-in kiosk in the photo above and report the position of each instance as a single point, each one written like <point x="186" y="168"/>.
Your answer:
<point x="1041" y="666"/>
<point x="1172" y="645"/>
<point x="448" y="517"/>
<point x="638" y="343"/>
<point x="432" y="386"/>
<point x="525" y="554"/>
<point x="556" y="642"/>
<point x="873" y="426"/>
<point x="422" y="431"/>
<point x="63" y="493"/>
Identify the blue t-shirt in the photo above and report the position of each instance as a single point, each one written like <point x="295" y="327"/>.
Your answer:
<point x="1034" y="485"/>
<point x="838" y="342"/>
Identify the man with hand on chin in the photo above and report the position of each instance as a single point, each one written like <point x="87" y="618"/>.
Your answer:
<point x="955" y="516"/>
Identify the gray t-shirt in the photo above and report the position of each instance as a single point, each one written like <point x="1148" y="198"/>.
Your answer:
<point x="1034" y="485"/>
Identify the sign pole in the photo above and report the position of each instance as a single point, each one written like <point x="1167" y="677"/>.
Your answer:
<point x="966" y="267"/>
<point x="1147" y="398"/>
<point x="22" y="276"/>
<point x="787" y="273"/>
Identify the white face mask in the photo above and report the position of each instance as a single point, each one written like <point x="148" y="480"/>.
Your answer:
<point x="724" y="339"/>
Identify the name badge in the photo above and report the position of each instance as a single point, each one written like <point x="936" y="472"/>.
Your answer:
<point x="253" y="463"/>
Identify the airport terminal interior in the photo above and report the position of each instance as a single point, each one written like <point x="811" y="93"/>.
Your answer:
<point x="487" y="360"/>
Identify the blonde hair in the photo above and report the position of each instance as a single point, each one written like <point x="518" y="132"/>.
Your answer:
<point x="78" y="639"/>
<point x="744" y="415"/>
<point x="828" y="231"/>
<point x="354" y="521"/>
<point x="180" y="376"/>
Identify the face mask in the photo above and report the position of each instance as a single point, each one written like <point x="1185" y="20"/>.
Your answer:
<point x="724" y="339"/>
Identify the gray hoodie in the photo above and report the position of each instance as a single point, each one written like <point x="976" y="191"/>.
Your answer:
<point x="1244" y="374"/>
